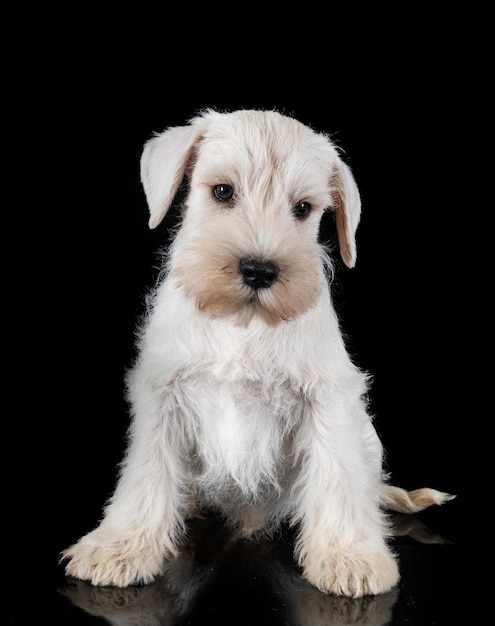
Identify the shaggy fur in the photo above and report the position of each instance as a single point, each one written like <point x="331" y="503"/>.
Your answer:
<point x="244" y="399"/>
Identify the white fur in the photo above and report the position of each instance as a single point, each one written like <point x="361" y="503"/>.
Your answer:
<point x="245" y="400"/>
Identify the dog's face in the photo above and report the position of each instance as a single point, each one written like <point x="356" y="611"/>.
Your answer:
<point x="259" y="183"/>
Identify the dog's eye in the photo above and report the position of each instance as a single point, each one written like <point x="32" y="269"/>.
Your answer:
<point x="224" y="193"/>
<point x="302" y="210"/>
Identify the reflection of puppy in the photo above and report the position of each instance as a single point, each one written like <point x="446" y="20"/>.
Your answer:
<point x="299" y="603"/>
<point x="243" y="396"/>
<point x="150" y="605"/>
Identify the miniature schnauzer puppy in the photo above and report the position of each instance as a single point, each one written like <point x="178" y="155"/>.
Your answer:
<point x="244" y="400"/>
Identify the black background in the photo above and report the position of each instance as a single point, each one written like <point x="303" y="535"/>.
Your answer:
<point x="408" y="109"/>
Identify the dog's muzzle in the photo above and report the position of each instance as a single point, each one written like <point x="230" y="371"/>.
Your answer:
<point x="258" y="274"/>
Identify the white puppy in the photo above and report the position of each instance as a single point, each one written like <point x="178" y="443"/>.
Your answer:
<point x="244" y="399"/>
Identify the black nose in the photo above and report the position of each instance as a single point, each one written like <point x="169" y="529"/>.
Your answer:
<point x="258" y="274"/>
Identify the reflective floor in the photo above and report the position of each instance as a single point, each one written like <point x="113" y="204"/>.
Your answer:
<point x="221" y="579"/>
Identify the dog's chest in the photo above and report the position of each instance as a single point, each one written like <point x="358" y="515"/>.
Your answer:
<point x="241" y="431"/>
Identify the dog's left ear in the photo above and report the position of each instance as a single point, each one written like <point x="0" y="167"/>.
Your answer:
<point x="346" y="203"/>
<point x="164" y="162"/>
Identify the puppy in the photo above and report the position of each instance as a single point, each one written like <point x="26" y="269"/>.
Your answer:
<point x="243" y="398"/>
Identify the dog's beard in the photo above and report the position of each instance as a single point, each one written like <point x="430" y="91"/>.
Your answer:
<point x="210" y="274"/>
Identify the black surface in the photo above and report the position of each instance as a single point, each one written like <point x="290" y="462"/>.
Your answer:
<point x="220" y="579"/>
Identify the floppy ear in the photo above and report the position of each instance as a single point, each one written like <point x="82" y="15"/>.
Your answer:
<point x="346" y="203"/>
<point x="164" y="162"/>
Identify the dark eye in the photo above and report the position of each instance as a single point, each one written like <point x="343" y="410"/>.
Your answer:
<point x="224" y="193"/>
<point x="302" y="210"/>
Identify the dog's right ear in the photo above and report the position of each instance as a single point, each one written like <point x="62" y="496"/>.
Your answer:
<point x="164" y="162"/>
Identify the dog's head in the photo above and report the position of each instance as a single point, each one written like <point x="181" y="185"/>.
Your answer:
<point x="259" y="182"/>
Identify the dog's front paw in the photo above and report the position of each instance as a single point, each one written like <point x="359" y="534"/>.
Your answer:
<point x="353" y="574"/>
<point x="112" y="561"/>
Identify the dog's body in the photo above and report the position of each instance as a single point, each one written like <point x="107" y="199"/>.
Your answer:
<point x="243" y="397"/>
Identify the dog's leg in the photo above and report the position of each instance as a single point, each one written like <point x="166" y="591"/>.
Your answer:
<point x="342" y="544"/>
<point x="143" y="521"/>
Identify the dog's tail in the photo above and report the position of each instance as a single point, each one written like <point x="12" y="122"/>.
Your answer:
<point x="402" y="501"/>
